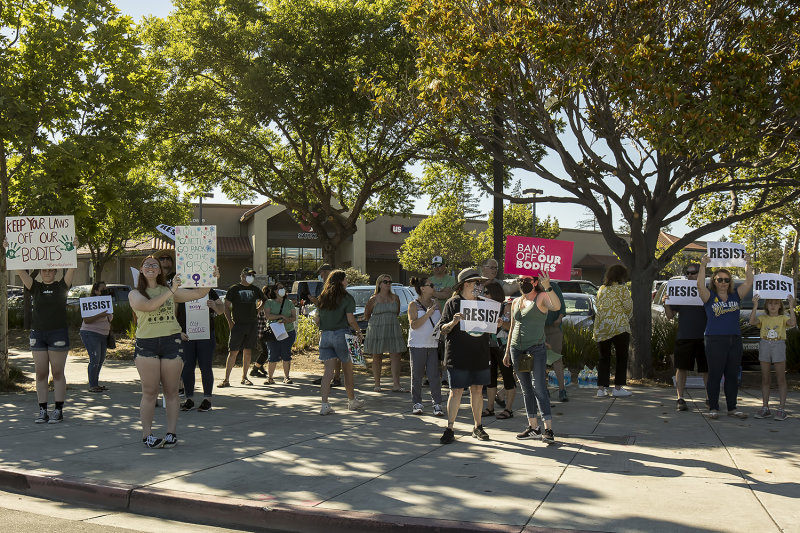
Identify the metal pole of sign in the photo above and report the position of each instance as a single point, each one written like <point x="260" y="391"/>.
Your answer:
<point x="201" y="196"/>
<point x="533" y="193"/>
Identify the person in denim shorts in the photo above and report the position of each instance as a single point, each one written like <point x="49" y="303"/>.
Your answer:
<point x="159" y="348"/>
<point x="336" y="308"/>
<point x="49" y="338"/>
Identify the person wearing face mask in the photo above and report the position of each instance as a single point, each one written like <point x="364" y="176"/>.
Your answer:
<point x="242" y="302"/>
<point x="278" y="308"/>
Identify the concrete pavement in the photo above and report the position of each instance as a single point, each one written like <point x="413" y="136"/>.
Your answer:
<point x="263" y="459"/>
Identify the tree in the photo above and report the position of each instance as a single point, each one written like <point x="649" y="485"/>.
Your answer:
<point x="444" y="234"/>
<point x="70" y="86"/>
<point x="270" y="98"/>
<point x="518" y="220"/>
<point x="648" y="107"/>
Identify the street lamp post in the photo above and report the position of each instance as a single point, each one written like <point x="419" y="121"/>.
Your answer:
<point x="201" y="196"/>
<point x="533" y="193"/>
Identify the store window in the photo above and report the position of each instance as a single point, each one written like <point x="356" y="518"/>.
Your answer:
<point x="289" y="264"/>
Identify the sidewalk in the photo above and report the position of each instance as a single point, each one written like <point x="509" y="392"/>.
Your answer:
<point x="263" y="458"/>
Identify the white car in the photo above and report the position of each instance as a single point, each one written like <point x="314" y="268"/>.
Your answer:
<point x="580" y="309"/>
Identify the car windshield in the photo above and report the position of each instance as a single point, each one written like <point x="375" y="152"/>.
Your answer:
<point x="577" y="306"/>
<point x="361" y="296"/>
<point x="79" y="291"/>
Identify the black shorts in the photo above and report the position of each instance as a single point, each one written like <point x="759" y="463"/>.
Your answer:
<point x="688" y="352"/>
<point x="243" y="337"/>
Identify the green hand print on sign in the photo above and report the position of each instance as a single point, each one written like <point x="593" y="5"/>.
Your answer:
<point x="68" y="246"/>
<point x="11" y="252"/>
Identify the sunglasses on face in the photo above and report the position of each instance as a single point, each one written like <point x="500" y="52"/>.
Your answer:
<point x="387" y="282"/>
<point x="723" y="280"/>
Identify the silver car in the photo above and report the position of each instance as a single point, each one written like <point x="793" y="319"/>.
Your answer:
<point x="580" y="308"/>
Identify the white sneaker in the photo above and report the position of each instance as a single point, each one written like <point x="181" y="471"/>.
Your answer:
<point x="326" y="409"/>
<point x="417" y="409"/>
<point x="355" y="404"/>
<point x="437" y="410"/>
<point x="601" y="393"/>
<point x="621" y="393"/>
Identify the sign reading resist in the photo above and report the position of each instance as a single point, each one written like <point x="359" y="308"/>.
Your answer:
<point x="722" y="254"/>
<point x="772" y="286"/>
<point x="40" y="242"/>
<point x="682" y="292"/>
<point x="479" y="316"/>
<point x="532" y="256"/>
<point x="94" y="305"/>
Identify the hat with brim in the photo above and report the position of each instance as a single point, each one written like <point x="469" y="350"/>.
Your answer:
<point x="326" y="266"/>
<point x="470" y="274"/>
<point x="248" y="270"/>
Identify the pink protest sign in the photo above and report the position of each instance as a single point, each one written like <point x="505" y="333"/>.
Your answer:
<point x="531" y="255"/>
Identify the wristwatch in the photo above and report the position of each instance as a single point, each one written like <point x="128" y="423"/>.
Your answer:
<point x="549" y="289"/>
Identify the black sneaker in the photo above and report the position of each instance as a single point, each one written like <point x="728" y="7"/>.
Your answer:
<point x="170" y="441"/>
<point x="187" y="405"/>
<point x="548" y="436"/>
<point x="530" y="433"/>
<point x="682" y="405"/>
<point x="43" y="417"/>
<point x="205" y="405"/>
<point x="479" y="433"/>
<point x="258" y="372"/>
<point x="152" y="442"/>
<point x="448" y="436"/>
<point x="336" y="383"/>
<point x="58" y="416"/>
<point x="317" y="381"/>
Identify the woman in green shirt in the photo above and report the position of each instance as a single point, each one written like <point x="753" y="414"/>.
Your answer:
<point x="159" y="348"/>
<point x="278" y="309"/>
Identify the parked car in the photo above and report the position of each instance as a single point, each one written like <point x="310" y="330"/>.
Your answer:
<point x="575" y="286"/>
<point x="580" y="309"/>
<point x="362" y="293"/>
<point x="15" y="291"/>
<point x="657" y="285"/>
<point x="118" y="293"/>
<point x="301" y="289"/>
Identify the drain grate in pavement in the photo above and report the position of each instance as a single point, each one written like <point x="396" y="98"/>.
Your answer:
<point x="625" y="440"/>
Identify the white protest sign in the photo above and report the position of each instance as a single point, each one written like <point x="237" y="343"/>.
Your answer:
<point x="683" y="292"/>
<point x="726" y="254"/>
<point x="772" y="286"/>
<point x="279" y="330"/>
<point x="169" y="231"/>
<point x="41" y="242"/>
<point x="135" y="274"/>
<point x="94" y="305"/>
<point x="196" y="255"/>
<point x="479" y="316"/>
<point x="198" y="321"/>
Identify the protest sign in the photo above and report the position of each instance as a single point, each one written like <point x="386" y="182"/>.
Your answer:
<point x="41" y="242"/>
<point x="682" y="292"/>
<point x="722" y="254"/>
<point x="772" y="286"/>
<point x="479" y="316"/>
<point x="279" y="330"/>
<point x="94" y="305"/>
<point x="532" y="256"/>
<point x="198" y="321"/>
<point x="355" y="349"/>
<point x="135" y="275"/>
<point x="196" y="255"/>
<point x="169" y="231"/>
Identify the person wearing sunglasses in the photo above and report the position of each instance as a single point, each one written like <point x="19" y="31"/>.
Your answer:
<point x="423" y="344"/>
<point x="384" y="334"/>
<point x="689" y="345"/>
<point x="723" y="335"/>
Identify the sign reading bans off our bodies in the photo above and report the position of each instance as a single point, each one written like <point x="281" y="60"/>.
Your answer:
<point x="41" y="242"/>
<point x="532" y="256"/>
<point x="772" y="286"/>
<point x="479" y="316"/>
<point x="196" y="255"/>
<point x="683" y="292"/>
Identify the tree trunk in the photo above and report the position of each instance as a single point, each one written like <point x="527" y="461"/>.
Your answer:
<point x="497" y="215"/>
<point x="3" y="269"/>
<point x="640" y="361"/>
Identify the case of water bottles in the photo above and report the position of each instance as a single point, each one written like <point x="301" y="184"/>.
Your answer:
<point x="587" y="378"/>
<point x="552" y="379"/>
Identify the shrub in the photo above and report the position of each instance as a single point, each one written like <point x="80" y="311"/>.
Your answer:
<point x="579" y="348"/>
<point x="307" y="334"/>
<point x="663" y="337"/>
<point x="355" y="277"/>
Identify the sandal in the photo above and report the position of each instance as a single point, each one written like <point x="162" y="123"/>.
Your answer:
<point x="225" y="383"/>
<point x="95" y="389"/>
<point x="487" y="412"/>
<point x="246" y="381"/>
<point x="270" y="381"/>
<point x="505" y="414"/>
<point x="377" y="388"/>
<point x="399" y="389"/>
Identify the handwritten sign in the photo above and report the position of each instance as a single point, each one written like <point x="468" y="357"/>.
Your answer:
<point x="198" y="321"/>
<point x="722" y="254"/>
<point x="41" y="242"/>
<point x="169" y="231"/>
<point x="479" y="316"/>
<point x="196" y="255"/>
<point x="682" y="292"/>
<point x="94" y="305"/>
<point x="772" y="286"/>
<point x="532" y="256"/>
<point x="355" y="349"/>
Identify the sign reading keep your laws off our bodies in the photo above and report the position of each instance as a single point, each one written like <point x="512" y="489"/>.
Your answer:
<point x="532" y="256"/>
<point x="41" y="242"/>
<point x="196" y="255"/>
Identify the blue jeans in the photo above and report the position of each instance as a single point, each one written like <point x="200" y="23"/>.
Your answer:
<point x="534" y="384"/>
<point x="198" y="353"/>
<point x="724" y="356"/>
<point x="96" y="345"/>
<point x="332" y="345"/>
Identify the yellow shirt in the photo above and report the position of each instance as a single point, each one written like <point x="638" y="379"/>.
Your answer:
<point x="614" y="311"/>
<point x="773" y="328"/>
<point x="158" y="323"/>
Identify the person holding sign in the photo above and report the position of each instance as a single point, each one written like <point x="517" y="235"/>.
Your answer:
<point x="159" y="347"/>
<point x="94" y="334"/>
<point x="527" y="351"/>
<point x="423" y="342"/>
<point x="49" y="336"/>
<point x="496" y="350"/>
<point x="723" y="336"/>
<point x="466" y="354"/>
<point x="278" y="310"/>
<point x="384" y="334"/>
<point x="198" y="347"/>
<point x="772" y="350"/>
<point x="612" y="326"/>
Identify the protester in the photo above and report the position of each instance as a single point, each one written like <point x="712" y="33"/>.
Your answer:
<point x="199" y="352"/>
<point x="241" y="307"/>
<point x="612" y="326"/>
<point x="490" y="271"/>
<point x="467" y="356"/>
<point x="423" y="341"/>
<point x="322" y="275"/>
<point x="336" y="308"/>
<point x="94" y="334"/>
<point x="528" y="315"/>
<point x="443" y="284"/>
<point x="167" y="266"/>
<point x="772" y="350"/>
<point x="278" y="309"/>
<point x="384" y="334"/>
<point x="689" y="346"/>
<point x="49" y="336"/>
<point x="159" y="347"/>
<point x="496" y="349"/>
<point x="723" y="336"/>
<point x="554" y="337"/>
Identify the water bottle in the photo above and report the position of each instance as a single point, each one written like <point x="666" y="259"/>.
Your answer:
<point x="567" y="377"/>
<point x="593" y="378"/>
<point x="552" y="380"/>
<point x="582" y="378"/>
